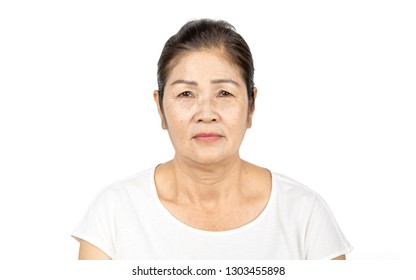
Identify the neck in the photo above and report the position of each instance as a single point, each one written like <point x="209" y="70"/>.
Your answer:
<point x="207" y="184"/>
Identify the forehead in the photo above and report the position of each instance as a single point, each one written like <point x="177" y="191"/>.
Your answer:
<point x="207" y="61"/>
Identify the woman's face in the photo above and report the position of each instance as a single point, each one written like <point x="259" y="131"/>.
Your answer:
<point x="205" y="107"/>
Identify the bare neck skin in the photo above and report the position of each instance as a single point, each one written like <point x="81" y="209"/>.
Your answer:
<point x="204" y="186"/>
<point x="222" y="196"/>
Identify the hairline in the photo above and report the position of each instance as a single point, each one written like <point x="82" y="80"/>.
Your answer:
<point x="220" y="50"/>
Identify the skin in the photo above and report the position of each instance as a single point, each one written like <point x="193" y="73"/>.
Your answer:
<point x="206" y="185"/>
<point x="87" y="251"/>
<point x="205" y="93"/>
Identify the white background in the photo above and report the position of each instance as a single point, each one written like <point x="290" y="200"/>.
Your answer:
<point x="335" y="110"/>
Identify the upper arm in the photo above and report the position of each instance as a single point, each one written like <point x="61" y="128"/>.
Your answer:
<point x="87" y="251"/>
<point x="342" y="257"/>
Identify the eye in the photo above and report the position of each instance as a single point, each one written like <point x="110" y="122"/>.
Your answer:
<point x="185" y="94"/>
<point x="224" y="93"/>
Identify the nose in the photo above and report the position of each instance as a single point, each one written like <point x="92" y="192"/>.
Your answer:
<point x="207" y="111"/>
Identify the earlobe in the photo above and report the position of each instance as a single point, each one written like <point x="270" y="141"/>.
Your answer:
<point x="160" y="111"/>
<point x="164" y="125"/>
<point x="254" y="93"/>
<point x="252" y="107"/>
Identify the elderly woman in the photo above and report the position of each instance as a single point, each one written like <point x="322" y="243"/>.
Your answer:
<point x="208" y="203"/>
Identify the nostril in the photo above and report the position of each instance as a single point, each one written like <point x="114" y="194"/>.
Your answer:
<point x="207" y="113"/>
<point x="207" y="119"/>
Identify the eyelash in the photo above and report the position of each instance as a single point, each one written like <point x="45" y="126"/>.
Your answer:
<point x="222" y="93"/>
<point x="185" y="94"/>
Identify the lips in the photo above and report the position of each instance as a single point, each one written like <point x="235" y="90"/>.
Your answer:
<point x="207" y="137"/>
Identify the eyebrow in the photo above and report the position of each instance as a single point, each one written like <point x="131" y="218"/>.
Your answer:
<point x="220" y="81"/>
<point x="194" y="83"/>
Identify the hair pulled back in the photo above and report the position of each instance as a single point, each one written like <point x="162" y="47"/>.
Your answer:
<point x="204" y="34"/>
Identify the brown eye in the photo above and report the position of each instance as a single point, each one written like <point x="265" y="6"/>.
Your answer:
<point x="185" y="94"/>
<point x="224" y="93"/>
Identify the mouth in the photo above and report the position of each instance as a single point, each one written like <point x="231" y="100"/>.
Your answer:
<point x="207" y="137"/>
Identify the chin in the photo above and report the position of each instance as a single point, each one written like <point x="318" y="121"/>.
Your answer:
<point x="209" y="159"/>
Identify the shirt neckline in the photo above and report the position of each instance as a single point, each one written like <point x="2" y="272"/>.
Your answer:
<point x="171" y="218"/>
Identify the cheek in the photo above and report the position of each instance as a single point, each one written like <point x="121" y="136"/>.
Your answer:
<point x="236" y="115"/>
<point x="176" y="114"/>
<point x="177" y="124"/>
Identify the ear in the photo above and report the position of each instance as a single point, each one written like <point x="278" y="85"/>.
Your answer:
<point x="161" y="114"/>
<point x="251" y="112"/>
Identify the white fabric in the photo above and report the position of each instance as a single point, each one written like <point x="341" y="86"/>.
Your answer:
<point x="128" y="221"/>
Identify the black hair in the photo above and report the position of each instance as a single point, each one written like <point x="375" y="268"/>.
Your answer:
<point x="207" y="34"/>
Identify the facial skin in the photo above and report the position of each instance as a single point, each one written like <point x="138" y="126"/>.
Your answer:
<point x="205" y="108"/>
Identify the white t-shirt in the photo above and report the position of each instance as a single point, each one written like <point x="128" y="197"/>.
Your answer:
<point x="128" y="221"/>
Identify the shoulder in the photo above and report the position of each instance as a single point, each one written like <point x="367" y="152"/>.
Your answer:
<point x="294" y="194"/>
<point x="124" y="188"/>
<point x="290" y="186"/>
<point x="303" y="211"/>
<point x="114" y="205"/>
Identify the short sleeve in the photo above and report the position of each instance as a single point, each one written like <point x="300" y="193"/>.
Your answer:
<point x="323" y="237"/>
<point x="98" y="226"/>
